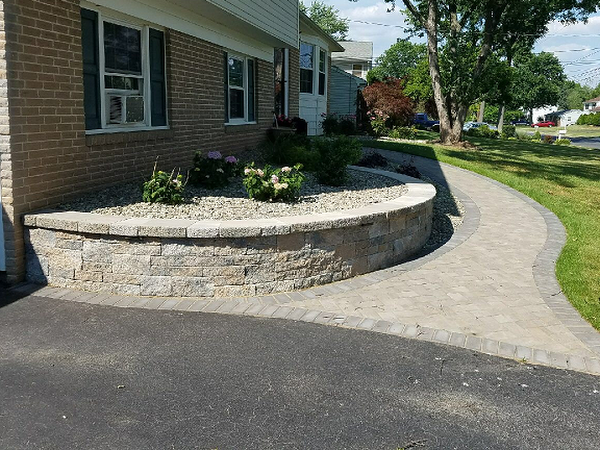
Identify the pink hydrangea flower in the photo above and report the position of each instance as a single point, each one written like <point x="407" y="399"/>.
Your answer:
<point x="215" y="155"/>
<point x="274" y="179"/>
<point x="231" y="159"/>
<point x="247" y="171"/>
<point x="286" y="169"/>
<point x="260" y="173"/>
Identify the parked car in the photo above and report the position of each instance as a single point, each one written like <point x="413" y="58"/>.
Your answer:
<point x="519" y="122"/>
<point x="422" y="121"/>
<point x="470" y="125"/>
<point x="546" y="123"/>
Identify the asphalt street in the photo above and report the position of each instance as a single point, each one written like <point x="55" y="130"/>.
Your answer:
<point x="92" y="377"/>
<point x="586" y="142"/>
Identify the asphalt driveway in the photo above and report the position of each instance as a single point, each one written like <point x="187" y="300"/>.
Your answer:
<point x="84" y="376"/>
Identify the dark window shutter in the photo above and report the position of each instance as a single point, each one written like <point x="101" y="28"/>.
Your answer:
<point x="251" y="91"/>
<point x="91" y="69"/>
<point x="158" y="98"/>
<point x="226" y="86"/>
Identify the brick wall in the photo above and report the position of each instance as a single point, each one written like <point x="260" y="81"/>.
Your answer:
<point x="6" y="186"/>
<point x="51" y="159"/>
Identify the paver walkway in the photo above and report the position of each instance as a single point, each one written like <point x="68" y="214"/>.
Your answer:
<point x="491" y="288"/>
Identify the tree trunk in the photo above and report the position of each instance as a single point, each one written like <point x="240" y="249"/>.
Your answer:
<point x="481" y="113"/>
<point x="446" y="133"/>
<point x="501" y="118"/>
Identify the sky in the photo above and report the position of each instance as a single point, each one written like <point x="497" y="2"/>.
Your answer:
<point x="576" y="46"/>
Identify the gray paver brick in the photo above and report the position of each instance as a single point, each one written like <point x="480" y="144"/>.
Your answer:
<point x="198" y="305"/>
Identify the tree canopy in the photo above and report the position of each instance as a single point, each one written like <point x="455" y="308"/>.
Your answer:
<point x="328" y="18"/>
<point x="464" y="35"/>
<point x="398" y="61"/>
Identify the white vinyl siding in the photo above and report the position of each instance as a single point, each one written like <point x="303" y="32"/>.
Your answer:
<point x="278" y="18"/>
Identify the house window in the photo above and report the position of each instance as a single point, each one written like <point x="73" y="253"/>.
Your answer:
<point x="307" y="62"/>
<point x="357" y="70"/>
<point x="124" y="74"/>
<point x="241" y="89"/>
<point x="322" y="67"/>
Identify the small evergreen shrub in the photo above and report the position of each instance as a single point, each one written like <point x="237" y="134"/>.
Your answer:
<point x="347" y="125"/>
<point x="408" y="168"/>
<point x="271" y="184"/>
<point x="403" y="133"/>
<point x="213" y="171"/>
<point x="509" y="131"/>
<point x="163" y="187"/>
<point x="329" y="124"/>
<point x="372" y="159"/>
<point x="335" y="154"/>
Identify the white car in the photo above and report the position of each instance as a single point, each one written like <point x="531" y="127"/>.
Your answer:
<point x="470" y="125"/>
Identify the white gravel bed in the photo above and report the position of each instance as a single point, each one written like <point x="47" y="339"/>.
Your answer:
<point x="232" y="202"/>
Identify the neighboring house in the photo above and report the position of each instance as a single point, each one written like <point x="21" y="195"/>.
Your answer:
<point x="592" y="105"/>
<point x="345" y="89"/>
<point x="538" y="114"/>
<point x="92" y="93"/>
<point x="357" y="58"/>
<point x="566" y="117"/>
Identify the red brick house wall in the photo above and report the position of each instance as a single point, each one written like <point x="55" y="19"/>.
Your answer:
<point x="47" y="157"/>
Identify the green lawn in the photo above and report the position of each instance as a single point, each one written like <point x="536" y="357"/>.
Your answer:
<point x="572" y="131"/>
<point x="566" y="180"/>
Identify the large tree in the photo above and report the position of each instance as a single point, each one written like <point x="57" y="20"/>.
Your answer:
<point x="328" y="18"/>
<point x="466" y="33"/>
<point x="398" y="61"/>
<point x="538" y="81"/>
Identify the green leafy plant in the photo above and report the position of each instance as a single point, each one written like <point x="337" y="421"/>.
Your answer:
<point x="290" y="150"/>
<point x="563" y="141"/>
<point x="403" y="133"/>
<point x="272" y="184"/>
<point x="213" y="171"/>
<point x="164" y="187"/>
<point x="330" y="124"/>
<point x="378" y="126"/>
<point x="334" y="156"/>
<point x="537" y="136"/>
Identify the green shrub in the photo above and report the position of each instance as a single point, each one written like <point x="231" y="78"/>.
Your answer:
<point x="563" y="141"/>
<point x="289" y="150"/>
<point x="589" y="119"/>
<point x="548" y="139"/>
<point x="508" y="131"/>
<point x="537" y="136"/>
<point x="347" y="125"/>
<point x="329" y="124"/>
<point x="271" y="184"/>
<point x="403" y="133"/>
<point x="163" y="187"/>
<point x="335" y="154"/>
<point x="213" y="171"/>
<point x="483" y="131"/>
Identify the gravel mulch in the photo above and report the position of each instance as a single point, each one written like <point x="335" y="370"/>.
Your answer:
<point x="232" y="202"/>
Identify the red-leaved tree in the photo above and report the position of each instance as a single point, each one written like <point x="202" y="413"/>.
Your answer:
<point x="386" y="99"/>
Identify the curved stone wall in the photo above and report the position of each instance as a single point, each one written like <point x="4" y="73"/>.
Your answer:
<point x="185" y="258"/>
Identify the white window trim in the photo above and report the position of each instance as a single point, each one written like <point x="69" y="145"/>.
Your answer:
<point x="324" y="52"/>
<point x="244" y="120"/>
<point x="147" y="94"/>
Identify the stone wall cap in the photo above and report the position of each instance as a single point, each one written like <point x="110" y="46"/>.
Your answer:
<point x="418" y="193"/>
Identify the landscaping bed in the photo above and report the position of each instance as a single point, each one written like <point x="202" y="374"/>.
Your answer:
<point x="231" y="202"/>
